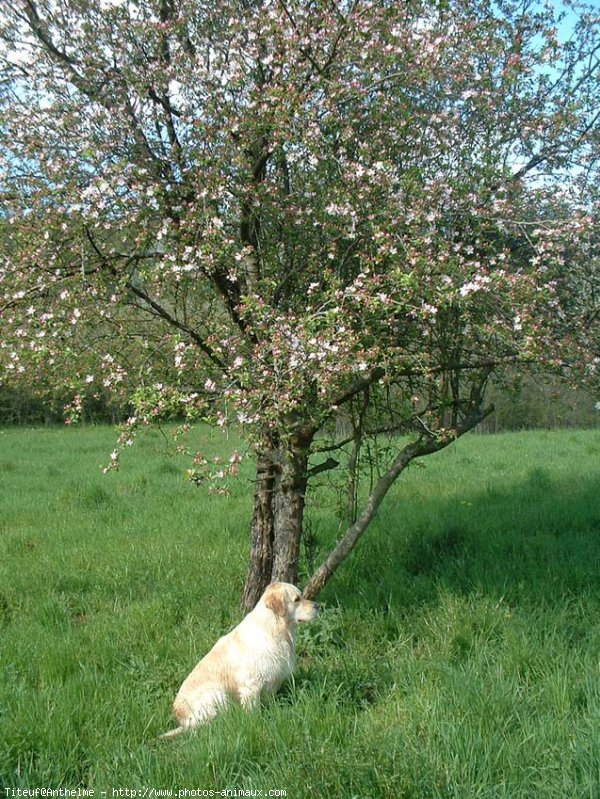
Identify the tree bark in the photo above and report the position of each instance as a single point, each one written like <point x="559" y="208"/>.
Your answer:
<point x="260" y="560"/>
<point x="276" y="528"/>
<point x="288" y="514"/>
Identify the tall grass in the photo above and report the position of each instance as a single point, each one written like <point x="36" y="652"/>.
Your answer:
<point x="457" y="653"/>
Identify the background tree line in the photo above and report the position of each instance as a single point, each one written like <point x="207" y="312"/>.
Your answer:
<point x="531" y="404"/>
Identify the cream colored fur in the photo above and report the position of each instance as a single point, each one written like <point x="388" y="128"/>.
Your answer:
<point x="250" y="661"/>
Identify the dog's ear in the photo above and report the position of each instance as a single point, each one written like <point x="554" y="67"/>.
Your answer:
<point x="275" y="601"/>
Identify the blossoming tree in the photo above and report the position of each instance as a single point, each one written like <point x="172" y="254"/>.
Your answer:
<point x="323" y="221"/>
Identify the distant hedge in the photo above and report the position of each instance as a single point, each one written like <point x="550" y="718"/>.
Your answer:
<point x="541" y="404"/>
<point x="20" y="408"/>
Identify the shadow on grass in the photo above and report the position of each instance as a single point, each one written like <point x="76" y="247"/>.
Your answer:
<point x="536" y="543"/>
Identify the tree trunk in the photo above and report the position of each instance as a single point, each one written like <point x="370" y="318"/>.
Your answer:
<point x="276" y="528"/>
<point x="260" y="561"/>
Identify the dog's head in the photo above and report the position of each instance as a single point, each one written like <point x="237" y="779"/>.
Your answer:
<point x="285" y="600"/>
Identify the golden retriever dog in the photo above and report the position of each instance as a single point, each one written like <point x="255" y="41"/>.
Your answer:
<point x="247" y="663"/>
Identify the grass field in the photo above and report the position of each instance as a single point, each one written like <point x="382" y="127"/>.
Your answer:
<point x="457" y="653"/>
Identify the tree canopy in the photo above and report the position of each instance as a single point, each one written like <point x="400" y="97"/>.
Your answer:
<point x="286" y="213"/>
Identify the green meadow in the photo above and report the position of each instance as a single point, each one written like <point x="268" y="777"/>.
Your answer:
<point x="457" y="652"/>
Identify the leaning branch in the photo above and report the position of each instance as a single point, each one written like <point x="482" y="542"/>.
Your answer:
<point x="424" y="445"/>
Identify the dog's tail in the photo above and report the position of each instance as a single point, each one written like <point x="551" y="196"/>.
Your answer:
<point x="173" y="733"/>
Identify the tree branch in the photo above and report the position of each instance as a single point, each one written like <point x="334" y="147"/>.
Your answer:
<point x="162" y="313"/>
<point x="107" y="92"/>
<point x="158" y="309"/>
<point x="326" y="466"/>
